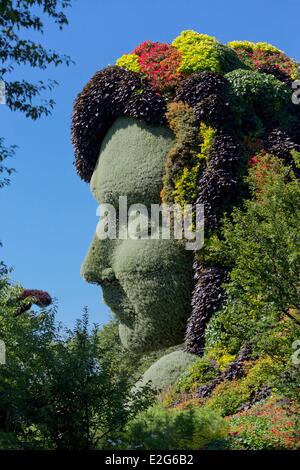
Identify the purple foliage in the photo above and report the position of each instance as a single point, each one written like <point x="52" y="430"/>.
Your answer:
<point x="235" y="370"/>
<point x="279" y="143"/>
<point x="208" y="295"/>
<point x="219" y="185"/>
<point x="206" y="93"/>
<point x="38" y="297"/>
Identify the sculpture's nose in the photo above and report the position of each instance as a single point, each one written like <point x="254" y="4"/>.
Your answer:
<point x="96" y="267"/>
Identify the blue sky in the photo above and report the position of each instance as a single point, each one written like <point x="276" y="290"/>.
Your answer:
<point x="48" y="215"/>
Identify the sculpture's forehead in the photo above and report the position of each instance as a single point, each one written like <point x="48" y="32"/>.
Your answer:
<point x="131" y="162"/>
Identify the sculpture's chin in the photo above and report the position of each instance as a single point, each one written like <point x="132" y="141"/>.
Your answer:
<point x="126" y="336"/>
<point x="145" y="340"/>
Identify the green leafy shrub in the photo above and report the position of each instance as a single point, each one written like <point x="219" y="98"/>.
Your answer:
<point x="9" y="441"/>
<point x="228" y="396"/>
<point x="182" y="156"/>
<point x="58" y="389"/>
<point x="296" y="158"/>
<point x="168" y="429"/>
<point x="198" y="374"/>
<point x="261" y="242"/>
<point x="257" y="92"/>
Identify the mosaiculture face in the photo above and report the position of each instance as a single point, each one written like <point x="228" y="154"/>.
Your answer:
<point x="146" y="283"/>
<point x="178" y="124"/>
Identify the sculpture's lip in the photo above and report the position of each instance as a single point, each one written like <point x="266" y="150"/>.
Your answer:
<point x="116" y="281"/>
<point x="109" y="282"/>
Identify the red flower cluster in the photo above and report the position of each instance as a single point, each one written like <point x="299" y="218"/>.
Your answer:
<point x="272" y="423"/>
<point x="277" y="60"/>
<point x="160" y="63"/>
<point x="262" y="165"/>
<point x="263" y="60"/>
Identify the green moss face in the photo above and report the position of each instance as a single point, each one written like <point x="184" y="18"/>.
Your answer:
<point x="146" y="283"/>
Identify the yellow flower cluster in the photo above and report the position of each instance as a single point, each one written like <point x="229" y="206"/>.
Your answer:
<point x="252" y="46"/>
<point x="129" y="62"/>
<point x="199" y="52"/>
<point x="186" y="183"/>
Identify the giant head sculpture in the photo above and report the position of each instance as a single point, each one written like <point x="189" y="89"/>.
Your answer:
<point x="177" y="124"/>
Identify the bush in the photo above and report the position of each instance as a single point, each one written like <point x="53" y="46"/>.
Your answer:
<point x="202" y="52"/>
<point x="229" y="396"/>
<point x="163" y="429"/>
<point x="221" y="356"/>
<point x="265" y="57"/>
<point x="166" y="371"/>
<point x="272" y="425"/>
<point x="160" y="63"/>
<point x="261" y="243"/>
<point x="183" y="154"/>
<point x="198" y="374"/>
<point x="199" y="52"/>
<point x="258" y="92"/>
<point x="61" y="389"/>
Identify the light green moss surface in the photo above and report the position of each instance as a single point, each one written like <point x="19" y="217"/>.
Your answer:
<point x="146" y="283"/>
<point x="165" y="372"/>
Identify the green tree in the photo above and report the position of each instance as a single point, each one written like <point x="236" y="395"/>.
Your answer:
<point x="17" y="18"/>
<point x="61" y="389"/>
<point x="261" y="243"/>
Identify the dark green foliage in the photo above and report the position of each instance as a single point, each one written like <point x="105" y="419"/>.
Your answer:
<point x="5" y="152"/>
<point x="258" y="93"/>
<point x="262" y="243"/>
<point x="61" y="390"/>
<point x="229" y="59"/>
<point x="161" y="429"/>
<point x="16" y="50"/>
